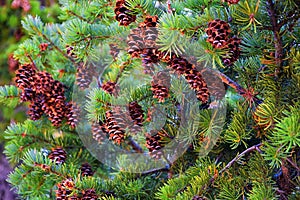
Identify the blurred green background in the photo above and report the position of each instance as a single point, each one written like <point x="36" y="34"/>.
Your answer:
<point x="11" y="35"/>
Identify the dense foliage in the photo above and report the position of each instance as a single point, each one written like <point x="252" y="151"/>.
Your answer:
<point x="220" y="78"/>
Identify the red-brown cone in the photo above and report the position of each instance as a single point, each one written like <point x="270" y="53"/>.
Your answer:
<point x="58" y="155"/>
<point x="123" y="15"/>
<point x="89" y="194"/>
<point x="86" y="169"/>
<point x="160" y="85"/>
<point x="218" y="32"/>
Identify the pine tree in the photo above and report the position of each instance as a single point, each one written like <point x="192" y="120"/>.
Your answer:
<point x="203" y="96"/>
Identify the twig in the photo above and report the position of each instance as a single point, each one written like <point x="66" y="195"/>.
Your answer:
<point x="276" y="29"/>
<point x="293" y="164"/>
<point x="155" y="170"/>
<point x="253" y="148"/>
<point x="135" y="146"/>
<point x="237" y="87"/>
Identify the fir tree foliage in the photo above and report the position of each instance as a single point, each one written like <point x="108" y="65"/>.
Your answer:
<point x="257" y="153"/>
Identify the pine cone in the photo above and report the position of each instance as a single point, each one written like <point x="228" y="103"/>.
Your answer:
<point x="216" y="87"/>
<point x="58" y="155"/>
<point x="218" y="32"/>
<point x="35" y="109"/>
<point x="154" y="144"/>
<point x="56" y="111"/>
<point x="196" y="82"/>
<point x="135" y="42"/>
<point x="136" y="113"/>
<point x="84" y="75"/>
<point x="70" y="51"/>
<point x="72" y="114"/>
<point x="111" y="88"/>
<point x="116" y="122"/>
<point x="25" y="76"/>
<point x="99" y="132"/>
<point x="149" y="56"/>
<point x="123" y="15"/>
<point x="233" y="52"/>
<point x="114" y="50"/>
<point x="27" y="95"/>
<point x="62" y="194"/>
<point x="89" y="194"/>
<point x="86" y="169"/>
<point x="150" y="21"/>
<point x="196" y="197"/>
<point x="160" y="86"/>
<point x="65" y="190"/>
<point x="180" y="65"/>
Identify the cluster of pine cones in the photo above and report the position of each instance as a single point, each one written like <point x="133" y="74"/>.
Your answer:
<point x="218" y="35"/>
<point x="117" y="121"/>
<point x="46" y="96"/>
<point x="66" y="191"/>
<point x="142" y="43"/>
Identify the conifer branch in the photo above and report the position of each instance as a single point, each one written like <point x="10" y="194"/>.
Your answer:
<point x="237" y="87"/>
<point x="79" y="17"/>
<point x="59" y="50"/>
<point x="135" y="146"/>
<point x="250" y="149"/>
<point x="276" y="31"/>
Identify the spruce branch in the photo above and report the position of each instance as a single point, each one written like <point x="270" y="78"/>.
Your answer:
<point x="237" y="87"/>
<point x="78" y="16"/>
<point x="276" y="31"/>
<point x="135" y="146"/>
<point x="250" y="149"/>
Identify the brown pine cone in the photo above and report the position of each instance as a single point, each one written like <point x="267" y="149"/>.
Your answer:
<point x="89" y="194"/>
<point x="180" y="65"/>
<point x="35" y="109"/>
<point x="62" y="194"/>
<point x="149" y="56"/>
<point x="150" y="21"/>
<point x="72" y="114"/>
<point x="99" y="131"/>
<point x="136" y="113"/>
<point x="233" y="51"/>
<point x="160" y="85"/>
<point x="86" y="169"/>
<point x="135" y="42"/>
<point x="70" y="51"/>
<point x="111" y="88"/>
<point x="123" y="15"/>
<point x="114" y="50"/>
<point x="117" y="121"/>
<point x="84" y="75"/>
<point x="58" y="155"/>
<point x="218" y="32"/>
<point x="196" y="82"/>
<point x="154" y="144"/>
<point x="25" y="76"/>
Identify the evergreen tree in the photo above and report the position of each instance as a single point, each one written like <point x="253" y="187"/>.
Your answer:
<point x="190" y="99"/>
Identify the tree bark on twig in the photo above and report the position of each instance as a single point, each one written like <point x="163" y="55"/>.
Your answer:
<point x="276" y="31"/>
